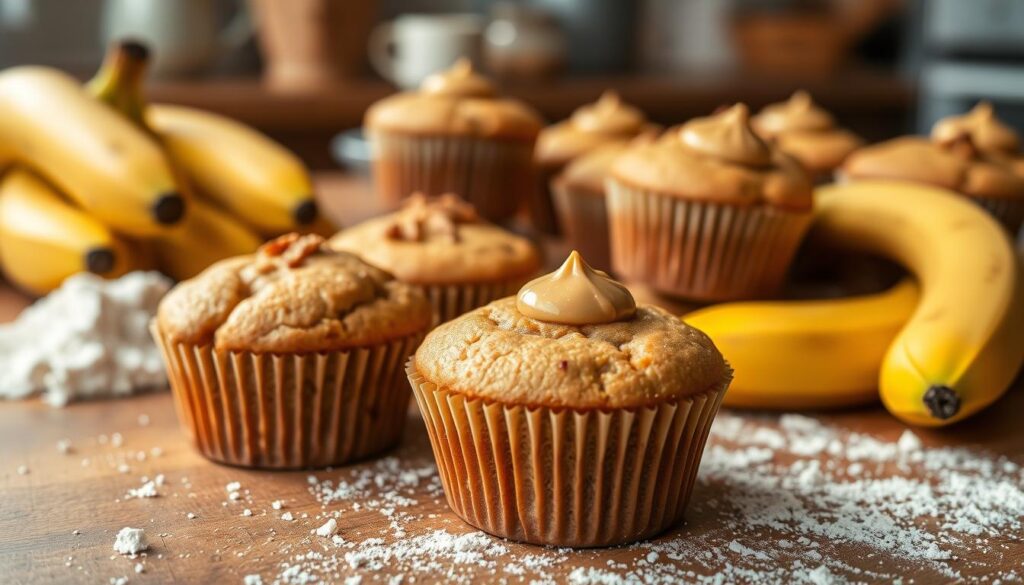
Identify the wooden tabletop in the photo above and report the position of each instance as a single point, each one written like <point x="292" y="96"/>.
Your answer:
<point x="60" y="511"/>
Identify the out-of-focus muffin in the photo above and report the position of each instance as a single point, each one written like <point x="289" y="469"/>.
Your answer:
<point x="442" y="247"/>
<point x="806" y="132"/>
<point x="608" y="120"/>
<point x="454" y="135"/>
<point x="709" y="211"/>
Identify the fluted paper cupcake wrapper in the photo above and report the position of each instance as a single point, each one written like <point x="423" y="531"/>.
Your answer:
<point x="699" y="250"/>
<point x="493" y="175"/>
<point x="563" y="477"/>
<point x="1009" y="212"/>
<point x="583" y="216"/>
<point x="540" y="201"/>
<point x="450" y="301"/>
<point x="289" y="411"/>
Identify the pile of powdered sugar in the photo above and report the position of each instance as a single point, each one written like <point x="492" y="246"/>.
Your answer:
<point x="87" y="339"/>
<point x="779" y="500"/>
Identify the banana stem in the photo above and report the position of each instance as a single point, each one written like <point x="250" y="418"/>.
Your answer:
<point x="118" y="82"/>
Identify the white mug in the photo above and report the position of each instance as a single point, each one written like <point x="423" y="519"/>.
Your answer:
<point x="411" y="47"/>
<point x="184" y="34"/>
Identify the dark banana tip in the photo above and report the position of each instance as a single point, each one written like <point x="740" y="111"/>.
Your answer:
<point x="169" y="208"/>
<point x="942" y="401"/>
<point x="134" y="48"/>
<point x="99" y="260"/>
<point x="304" y="213"/>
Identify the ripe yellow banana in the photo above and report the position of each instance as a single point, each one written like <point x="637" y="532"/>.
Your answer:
<point x="98" y="158"/>
<point x="806" y="354"/>
<point x="44" y="240"/>
<point x="964" y="344"/>
<point x="241" y="169"/>
<point x="206" y="236"/>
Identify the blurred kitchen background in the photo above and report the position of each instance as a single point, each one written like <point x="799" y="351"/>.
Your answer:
<point x="305" y="70"/>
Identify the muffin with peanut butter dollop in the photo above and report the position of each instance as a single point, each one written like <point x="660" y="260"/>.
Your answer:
<point x="455" y="134"/>
<point x="568" y="415"/>
<point x="709" y="211"/>
<point x="808" y="133"/>
<point x="969" y="155"/>
<point x="609" y="120"/>
<point x="442" y="247"/>
<point x="291" y="357"/>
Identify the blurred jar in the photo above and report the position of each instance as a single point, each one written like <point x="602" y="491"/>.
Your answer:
<point x="523" y="42"/>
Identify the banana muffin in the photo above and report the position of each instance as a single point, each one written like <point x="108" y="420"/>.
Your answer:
<point x="804" y="131"/>
<point x="454" y="135"/>
<point x="291" y="357"/>
<point x="952" y="160"/>
<point x="608" y="120"/>
<point x="709" y="211"/>
<point x="442" y="247"/>
<point x="568" y="415"/>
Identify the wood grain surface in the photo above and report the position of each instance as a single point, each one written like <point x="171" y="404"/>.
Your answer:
<point x="60" y="512"/>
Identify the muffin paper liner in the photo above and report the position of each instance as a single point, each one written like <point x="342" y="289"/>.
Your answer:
<point x="493" y="175"/>
<point x="1009" y="212"/>
<point x="564" y="477"/>
<point x="288" y="411"/>
<point x="540" y="201"/>
<point x="699" y="250"/>
<point x="584" y="219"/>
<point x="450" y="301"/>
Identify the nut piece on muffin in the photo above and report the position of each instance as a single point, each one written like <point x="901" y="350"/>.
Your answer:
<point x="801" y="129"/>
<point x="709" y="211"/>
<point x="291" y="357"/>
<point x="454" y="135"/>
<point x="608" y="120"/>
<point x="442" y="247"/>
<point x="568" y="415"/>
<point x="967" y="155"/>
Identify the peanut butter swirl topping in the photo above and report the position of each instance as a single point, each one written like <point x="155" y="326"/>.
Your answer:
<point x="423" y="218"/>
<point x="609" y="115"/>
<point x="799" y="112"/>
<point x="981" y="127"/>
<point x="458" y="80"/>
<point x="727" y="136"/>
<point x="575" y="294"/>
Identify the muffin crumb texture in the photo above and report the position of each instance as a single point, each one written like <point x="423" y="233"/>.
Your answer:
<point x="294" y="295"/>
<point x="498" y="354"/>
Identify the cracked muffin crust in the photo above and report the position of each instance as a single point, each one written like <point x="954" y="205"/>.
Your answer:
<point x="295" y="295"/>
<point x="497" y="353"/>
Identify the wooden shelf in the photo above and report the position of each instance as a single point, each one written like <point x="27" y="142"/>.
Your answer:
<point x="666" y="98"/>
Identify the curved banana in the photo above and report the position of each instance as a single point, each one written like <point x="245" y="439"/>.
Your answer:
<point x="964" y="344"/>
<point x="241" y="169"/>
<point x="206" y="236"/>
<point x="44" y="240"/>
<point x="806" y="354"/>
<point x="96" y="157"/>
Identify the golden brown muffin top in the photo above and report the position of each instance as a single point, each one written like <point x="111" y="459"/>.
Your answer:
<point x="608" y="119"/>
<point x="613" y="354"/>
<point x="956" y="166"/>
<point x="808" y="133"/>
<point x="719" y="159"/>
<point x="981" y="126"/>
<point x="440" y="240"/>
<point x="294" y="295"/>
<point x="457" y="102"/>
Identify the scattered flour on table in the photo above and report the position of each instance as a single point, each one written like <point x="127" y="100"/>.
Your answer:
<point x="779" y="500"/>
<point x="87" y="339"/>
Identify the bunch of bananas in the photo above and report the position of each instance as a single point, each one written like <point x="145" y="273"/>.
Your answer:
<point x="936" y="349"/>
<point x="94" y="179"/>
